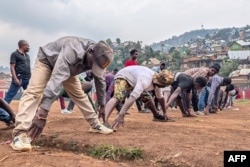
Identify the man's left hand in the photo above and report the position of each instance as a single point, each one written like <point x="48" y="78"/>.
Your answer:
<point x="118" y="122"/>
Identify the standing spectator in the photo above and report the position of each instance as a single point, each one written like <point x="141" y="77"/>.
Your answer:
<point x="58" y="63"/>
<point x="20" y="70"/>
<point x="133" y="58"/>
<point x="62" y="105"/>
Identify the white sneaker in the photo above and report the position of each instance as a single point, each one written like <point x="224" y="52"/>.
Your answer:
<point x="199" y="113"/>
<point x="65" y="111"/>
<point x="99" y="128"/>
<point x="21" y="143"/>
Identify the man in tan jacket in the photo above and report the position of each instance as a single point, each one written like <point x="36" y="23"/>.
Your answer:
<point x="58" y="64"/>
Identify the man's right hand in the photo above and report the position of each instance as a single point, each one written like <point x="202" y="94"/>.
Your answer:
<point x="17" y="82"/>
<point x="38" y="123"/>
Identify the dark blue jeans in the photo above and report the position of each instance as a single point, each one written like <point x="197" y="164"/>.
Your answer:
<point x="71" y="105"/>
<point x="4" y="116"/>
<point x="14" y="89"/>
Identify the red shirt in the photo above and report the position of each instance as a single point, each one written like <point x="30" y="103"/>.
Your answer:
<point x="130" y="62"/>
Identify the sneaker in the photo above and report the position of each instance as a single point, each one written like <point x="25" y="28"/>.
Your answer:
<point x="107" y="125"/>
<point x="65" y="111"/>
<point x="21" y="143"/>
<point x="199" y="113"/>
<point x="99" y="128"/>
<point x="173" y="108"/>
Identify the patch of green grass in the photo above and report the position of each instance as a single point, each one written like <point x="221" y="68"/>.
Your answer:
<point x="242" y="101"/>
<point x="115" y="153"/>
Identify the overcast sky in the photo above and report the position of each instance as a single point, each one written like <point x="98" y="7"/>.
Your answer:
<point x="43" y="21"/>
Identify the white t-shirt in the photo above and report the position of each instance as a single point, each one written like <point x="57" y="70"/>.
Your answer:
<point x="140" y="78"/>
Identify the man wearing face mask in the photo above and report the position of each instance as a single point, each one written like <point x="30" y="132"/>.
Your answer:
<point x="58" y="64"/>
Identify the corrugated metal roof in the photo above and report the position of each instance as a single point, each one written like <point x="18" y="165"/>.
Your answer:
<point x="244" y="71"/>
<point x="243" y="43"/>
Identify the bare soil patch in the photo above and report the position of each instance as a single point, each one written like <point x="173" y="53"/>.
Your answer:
<point x="187" y="142"/>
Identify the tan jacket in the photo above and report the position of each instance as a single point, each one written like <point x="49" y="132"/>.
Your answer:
<point x="66" y="57"/>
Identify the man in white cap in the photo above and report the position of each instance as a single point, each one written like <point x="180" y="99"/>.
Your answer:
<point x="58" y="64"/>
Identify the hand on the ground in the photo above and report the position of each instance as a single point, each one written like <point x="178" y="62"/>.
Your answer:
<point x="166" y="116"/>
<point x="102" y="113"/>
<point x="118" y="122"/>
<point x="38" y="123"/>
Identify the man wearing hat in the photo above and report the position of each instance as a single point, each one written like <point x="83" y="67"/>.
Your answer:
<point x="206" y="73"/>
<point x="58" y="64"/>
<point x="138" y="80"/>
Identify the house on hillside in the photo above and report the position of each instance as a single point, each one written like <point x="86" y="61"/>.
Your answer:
<point x="201" y="61"/>
<point x="241" y="78"/>
<point x="151" y="62"/>
<point x="239" y="50"/>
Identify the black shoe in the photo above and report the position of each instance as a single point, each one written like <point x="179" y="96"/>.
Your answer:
<point x="161" y="118"/>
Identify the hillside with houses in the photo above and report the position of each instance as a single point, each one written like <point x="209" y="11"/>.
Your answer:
<point x="229" y="47"/>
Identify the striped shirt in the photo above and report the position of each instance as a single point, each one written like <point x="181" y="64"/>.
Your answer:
<point x="198" y="72"/>
<point x="216" y="81"/>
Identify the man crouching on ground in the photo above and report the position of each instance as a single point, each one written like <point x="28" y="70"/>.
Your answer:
<point x="138" y="80"/>
<point x="58" y="64"/>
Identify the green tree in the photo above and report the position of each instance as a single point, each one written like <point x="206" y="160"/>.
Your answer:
<point x="176" y="60"/>
<point x="228" y="66"/>
<point x="118" y="40"/>
<point x="109" y="41"/>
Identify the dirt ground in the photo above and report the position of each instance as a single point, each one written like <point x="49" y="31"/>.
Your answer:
<point x="187" y="142"/>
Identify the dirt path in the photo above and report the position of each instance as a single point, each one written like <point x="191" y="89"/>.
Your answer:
<point x="196" y="141"/>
